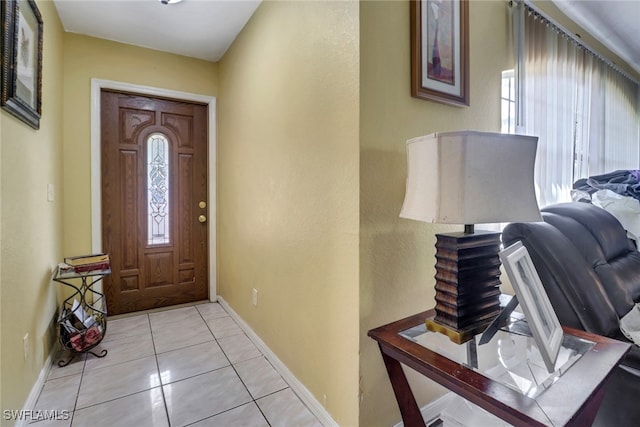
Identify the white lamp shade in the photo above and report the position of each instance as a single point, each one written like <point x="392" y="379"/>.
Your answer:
<point x="471" y="177"/>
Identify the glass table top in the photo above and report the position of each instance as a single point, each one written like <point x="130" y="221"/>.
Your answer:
<point x="511" y="357"/>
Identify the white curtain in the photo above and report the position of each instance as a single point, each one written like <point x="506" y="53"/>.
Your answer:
<point x="584" y="112"/>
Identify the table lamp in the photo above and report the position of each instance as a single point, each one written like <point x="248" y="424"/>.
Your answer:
<point x="469" y="177"/>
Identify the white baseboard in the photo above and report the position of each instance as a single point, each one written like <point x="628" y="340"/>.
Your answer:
<point x="32" y="399"/>
<point x="303" y="393"/>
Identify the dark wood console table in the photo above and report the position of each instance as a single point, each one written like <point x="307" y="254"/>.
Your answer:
<point x="569" y="397"/>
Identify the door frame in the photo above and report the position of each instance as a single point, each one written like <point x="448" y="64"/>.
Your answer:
<point x="96" y="182"/>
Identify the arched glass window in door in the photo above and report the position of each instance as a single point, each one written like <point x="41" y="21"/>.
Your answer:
<point x="158" y="189"/>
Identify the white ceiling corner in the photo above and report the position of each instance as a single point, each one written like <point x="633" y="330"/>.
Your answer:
<point x="613" y="22"/>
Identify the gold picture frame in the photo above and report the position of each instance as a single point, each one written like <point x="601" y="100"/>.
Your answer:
<point x="440" y="51"/>
<point x="22" y="30"/>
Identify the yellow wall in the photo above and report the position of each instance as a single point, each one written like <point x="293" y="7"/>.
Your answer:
<point x="33" y="241"/>
<point x="397" y="256"/>
<point x="86" y="58"/>
<point x="313" y="113"/>
<point x="288" y="191"/>
<point x="31" y="226"/>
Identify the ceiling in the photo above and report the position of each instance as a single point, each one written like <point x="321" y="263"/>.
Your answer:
<point x="613" y="22"/>
<point x="201" y="29"/>
<point x="205" y="29"/>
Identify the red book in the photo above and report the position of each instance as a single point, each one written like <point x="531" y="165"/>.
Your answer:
<point x="105" y="265"/>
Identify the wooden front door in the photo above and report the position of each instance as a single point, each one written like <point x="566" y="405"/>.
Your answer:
<point x="154" y="201"/>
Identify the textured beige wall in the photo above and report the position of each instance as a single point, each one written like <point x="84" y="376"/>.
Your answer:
<point x="32" y="237"/>
<point x="31" y="227"/>
<point x="288" y="190"/>
<point x="397" y="256"/>
<point x="290" y="224"/>
<point x="86" y="58"/>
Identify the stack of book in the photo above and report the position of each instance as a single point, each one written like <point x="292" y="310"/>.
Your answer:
<point x="84" y="263"/>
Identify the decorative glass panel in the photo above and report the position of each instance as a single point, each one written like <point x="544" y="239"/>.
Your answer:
<point x="158" y="189"/>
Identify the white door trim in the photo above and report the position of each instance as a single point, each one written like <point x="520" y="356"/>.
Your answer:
<point x="96" y="201"/>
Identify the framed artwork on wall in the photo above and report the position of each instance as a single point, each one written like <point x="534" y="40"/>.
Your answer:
<point x="440" y="51"/>
<point x="22" y="60"/>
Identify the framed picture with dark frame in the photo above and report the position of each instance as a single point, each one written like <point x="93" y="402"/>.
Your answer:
<point x="22" y="60"/>
<point x="543" y="322"/>
<point x="440" y="51"/>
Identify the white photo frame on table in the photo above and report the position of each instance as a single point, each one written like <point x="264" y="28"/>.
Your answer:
<point x="543" y="322"/>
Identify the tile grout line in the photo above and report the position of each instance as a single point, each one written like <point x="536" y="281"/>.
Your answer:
<point x="110" y="366"/>
<point x="299" y="390"/>
<point x="255" y="400"/>
<point x="234" y="368"/>
<point x="75" y="401"/>
<point x="155" y="355"/>
<point x="216" y="340"/>
<point x="193" y="376"/>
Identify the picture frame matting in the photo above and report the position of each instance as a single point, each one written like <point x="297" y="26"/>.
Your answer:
<point x="440" y="51"/>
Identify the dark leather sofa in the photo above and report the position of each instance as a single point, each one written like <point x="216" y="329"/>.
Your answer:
<point x="591" y="272"/>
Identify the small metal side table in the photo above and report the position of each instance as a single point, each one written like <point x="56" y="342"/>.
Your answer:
<point x="503" y="376"/>
<point x="82" y="322"/>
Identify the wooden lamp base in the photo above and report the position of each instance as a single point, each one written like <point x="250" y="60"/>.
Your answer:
<point x="467" y="284"/>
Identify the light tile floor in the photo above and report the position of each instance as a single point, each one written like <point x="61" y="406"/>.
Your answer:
<point x="186" y="366"/>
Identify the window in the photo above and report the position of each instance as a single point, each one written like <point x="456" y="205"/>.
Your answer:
<point x="158" y="189"/>
<point x="583" y="110"/>
<point x="508" y="102"/>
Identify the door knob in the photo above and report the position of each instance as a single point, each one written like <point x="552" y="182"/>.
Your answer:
<point x="202" y="218"/>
